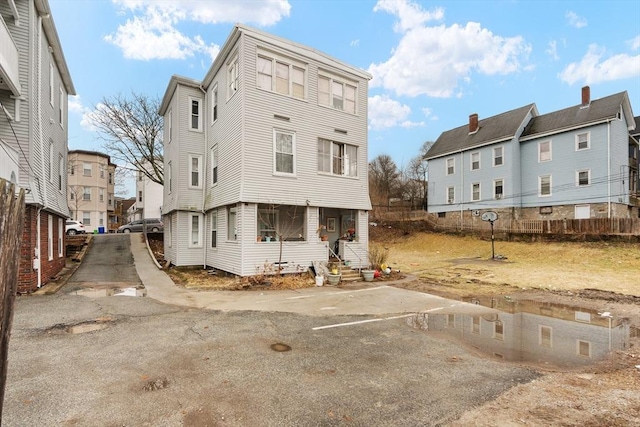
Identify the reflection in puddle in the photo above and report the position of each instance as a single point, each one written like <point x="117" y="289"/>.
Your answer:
<point x="531" y="331"/>
<point x="110" y="292"/>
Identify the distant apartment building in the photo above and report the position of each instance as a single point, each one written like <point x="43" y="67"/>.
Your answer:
<point x="34" y="85"/>
<point x="91" y="189"/>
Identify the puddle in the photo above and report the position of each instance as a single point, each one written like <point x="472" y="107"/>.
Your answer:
<point x="110" y="292"/>
<point x="531" y="331"/>
<point x="280" y="347"/>
<point x="80" y="328"/>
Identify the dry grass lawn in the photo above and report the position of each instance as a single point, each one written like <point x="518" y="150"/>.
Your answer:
<point x="546" y="265"/>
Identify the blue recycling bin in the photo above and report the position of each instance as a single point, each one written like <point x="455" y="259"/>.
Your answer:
<point x="101" y="230"/>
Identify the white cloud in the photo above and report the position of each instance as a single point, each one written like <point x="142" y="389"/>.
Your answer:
<point x="552" y="50"/>
<point x="574" y="20"/>
<point x="75" y="104"/>
<point x="426" y="111"/>
<point x="593" y="69"/>
<point x="355" y="43"/>
<point x="432" y="60"/>
<point x="152" y="33"/>
<point x="76" y="107"/>
<point x="635" y="43"/>
<point x="410" y="14"/>
<point x="386" y="113"/>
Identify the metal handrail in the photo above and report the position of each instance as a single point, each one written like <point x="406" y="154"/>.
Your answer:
<point x="335" y="256"/>
<point x="360" y="259"/>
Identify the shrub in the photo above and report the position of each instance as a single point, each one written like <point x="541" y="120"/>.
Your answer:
<point x="378" y="255"/>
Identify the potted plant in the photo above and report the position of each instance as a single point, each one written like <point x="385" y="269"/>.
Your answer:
<point x="377" y="256"/>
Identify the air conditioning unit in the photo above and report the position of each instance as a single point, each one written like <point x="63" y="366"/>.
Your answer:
<point x="498" y="196"/>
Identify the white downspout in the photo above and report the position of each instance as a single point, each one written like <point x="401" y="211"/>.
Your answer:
<point x="38" y="121"/>
<point x="609" y="170"/>
<point x="204" y="179"/>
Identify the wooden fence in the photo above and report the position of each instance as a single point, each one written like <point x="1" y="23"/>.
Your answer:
<point x="11" y="223"/>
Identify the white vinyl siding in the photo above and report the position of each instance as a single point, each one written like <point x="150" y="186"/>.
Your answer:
<point x="195" y="171"/>
<point x="195" y="114"/>
<point x="284" y="150"/>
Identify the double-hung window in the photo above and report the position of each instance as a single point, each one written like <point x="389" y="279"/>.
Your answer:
<point x="50" y="236"/>
<point x="583" y="178"/>
<point x="86" y="169"/>
<point x="195" y="230"/>
<point x="451" y="195"/>
<point x="101" y="194"/>
<point x="195" y="171"/>
<point x="214" y="165"/>
<point x="544" y="151"/>
<point x="232" y="77"/>
<point x="214" y="104"/>
<point x="87" y="193"/>
<point x="337" y="158"/>
<point x="60" y="234"/>
<point x="475" y="192"/>
<point x="51" y="151"/>
<point x="338" y="93"/>
<point x="61" y="108"/>
<point x="475" y="161"/>
<point x="60" y="171"/>
<point x="169" y="173"/>
<point x="281" y="75"/>
<point x="195" y="114"/>
<point x="214" y="228"/>
<point x="582" y="141"/>
<point x="498" y="156"/>
<point x="544" y="185"/>
<point x="451" y="166"/>
<point x="51" y="85"/>
<point x="498" y="189"/>
<point x="232" y="223"/>
<point x="284" y="149"/>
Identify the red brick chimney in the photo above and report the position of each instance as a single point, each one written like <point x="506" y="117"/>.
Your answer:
<point x="586" y="96"/>
<point x="473" y="123"/>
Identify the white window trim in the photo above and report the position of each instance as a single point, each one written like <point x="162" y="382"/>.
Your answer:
<point x="215" y="101"/>
<point x="588" y="171"/>
<point x="471" y="161"/>
<point x="214" y="227"/>
<point x="344" y="81"/>
<point x="446" y="166"/>
<point x="588" y="141"/>
<point x="199" y="243"/>
<point x="170" y="173"/>
<point x="331" y="172"/>
<point x="233" y="77"/>
<point x="189" y="127"/>
<point x="60" y="240"/>
<point x="169" y="124"/>
<point x="232" y="209"/>
<point x="291" y="63"/>
<point x="540" y="151"/>
<point x="448" y="200"/>
<point x="293" y="149"/>
<point x="61" y="174"/>
<point x="494" y="189"/>
<point x="479" y="192"/>
<point x="578" y="348"/>
<point x="215" y="164"/>
<point x="50" y="236"/>
<point x="501" y="156"/>
<point x="61" y="108"/>
<point x="85" y="169"/>
<point x="540" y="186"/>
<point x="191" y="157"/>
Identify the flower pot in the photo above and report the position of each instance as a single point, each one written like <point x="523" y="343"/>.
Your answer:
<point x="367" y="275"/>
<point x="324" y="238"/>
<point x="333" y="279"/>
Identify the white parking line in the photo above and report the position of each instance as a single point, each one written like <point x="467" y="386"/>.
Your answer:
<point x="339" y="292"/>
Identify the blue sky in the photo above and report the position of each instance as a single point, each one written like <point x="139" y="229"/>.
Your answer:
<point x="433" y="62"/>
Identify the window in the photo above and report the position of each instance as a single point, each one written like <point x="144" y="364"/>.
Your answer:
<point x="544" y="151"/>
<point x="110" y="199"/>
<point x="584" y="348"/>
<point x="195" y="171"/>
<point x="583" y="178"/>
<point x="140" y="176"/>
<point x="61" y="108"/>
<point x="498" y="156"/>
<point x="101" y="194"/>
<point x="214" y="165"/>
<point x="475" y="324"/>
<point x="168" y="230"/>
<point x="451" y="194"/>
<point x="498" y="189"/>
<point x="86" y="169"/>
<point x="60" y="172"/>
<point x="232" y="77"/>
<point x="544" y="185"/>
<point x="51" y="86"/>
<point x="102" y="171"/>
<point x="267" y="223"/>
<point x="195" y="115"/>
<point x="139" y="196"/>
<point x="86" y="218"/>
<point x="545" y="337"/>
<point x="340" y="95"/>
<point x="60" y="234"/>
<point x="451" y="166"/>
<point x="284" y="147"/>
<point x="232" y="225"/>
<point x="168" y="125"/>
<point x="50" y="236"/>
<point x="498" y="330"/>
<point x="337" y="158"/>
<point x="51" y="155"/>
<point x="582" y="141"/>
<point x="475" y="161"/>
<point x="214" y="228"/>
<point x="110" y="177"/>
<point x="169" y="172"/>
<point x="101" y="218"/>
<point x="195" y="230"/>
<point x="289" y="76"/>
<point x="72" y="169"/>
<point x="475" y="192"/>
<point x="71" y="194"/>
<point x="214" y="104"/>
<point x="87" y="193"/>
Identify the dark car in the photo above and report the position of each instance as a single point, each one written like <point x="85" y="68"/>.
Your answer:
<point x="154" y="225"/>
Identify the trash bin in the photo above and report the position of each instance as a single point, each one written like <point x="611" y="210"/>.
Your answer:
<point x="101" y="230"/>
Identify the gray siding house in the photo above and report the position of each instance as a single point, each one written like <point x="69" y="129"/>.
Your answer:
<point x="265" y="159"/>
<point x="572" y="163"/>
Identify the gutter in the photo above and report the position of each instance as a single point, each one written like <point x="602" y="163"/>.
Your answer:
<point x="204" y="178"/>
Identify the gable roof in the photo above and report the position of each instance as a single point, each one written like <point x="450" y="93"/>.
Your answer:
<point x="636" y="132"/>
<point x="599" y="110"/>
<point x="494" y="129"/>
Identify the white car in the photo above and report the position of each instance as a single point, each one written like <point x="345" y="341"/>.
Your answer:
<point x="74" y="227"/>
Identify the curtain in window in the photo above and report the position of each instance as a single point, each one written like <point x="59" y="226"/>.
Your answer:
<point x="324" y="155"/>
<point x="323" y="91"/>
<point x="264" y="73"/>
<point x="298" y="82"/>
<point x="350" y="99"/>
<point x="282" y="78"/>
<point x="284" y="152"/>
<point x="337" y="96"/>
<point x="195" y="230"/>
<point x="351" y="160"/>
<point x="338" y="157"/>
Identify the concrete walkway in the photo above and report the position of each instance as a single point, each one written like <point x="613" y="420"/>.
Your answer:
<point x="378" y="299"/>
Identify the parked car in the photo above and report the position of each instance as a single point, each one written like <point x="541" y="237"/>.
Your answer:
<point x="74" y="227"/>
<point x="154" y="225"/>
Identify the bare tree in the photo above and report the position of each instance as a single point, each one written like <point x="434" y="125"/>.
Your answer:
<point x="132" y="132"/>
<point x="383" y="179"/>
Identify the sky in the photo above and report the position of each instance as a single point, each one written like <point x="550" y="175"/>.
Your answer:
<point x="433" y="62"/>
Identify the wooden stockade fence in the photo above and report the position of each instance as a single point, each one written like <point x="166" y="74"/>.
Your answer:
<point x="11" y="223"/>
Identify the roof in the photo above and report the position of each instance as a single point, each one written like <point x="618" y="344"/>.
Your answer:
<point x="490" y="130"/>
<point x="171" y="87"/>
<point x="636" y="132"/>
<point x="91" y="153"/>
<point x="126" y="203"/>
<point x="578" y="116"/>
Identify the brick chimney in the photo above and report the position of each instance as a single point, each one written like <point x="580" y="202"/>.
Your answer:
<point x="473" y="123"/>
<point x="586" y="96"/>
